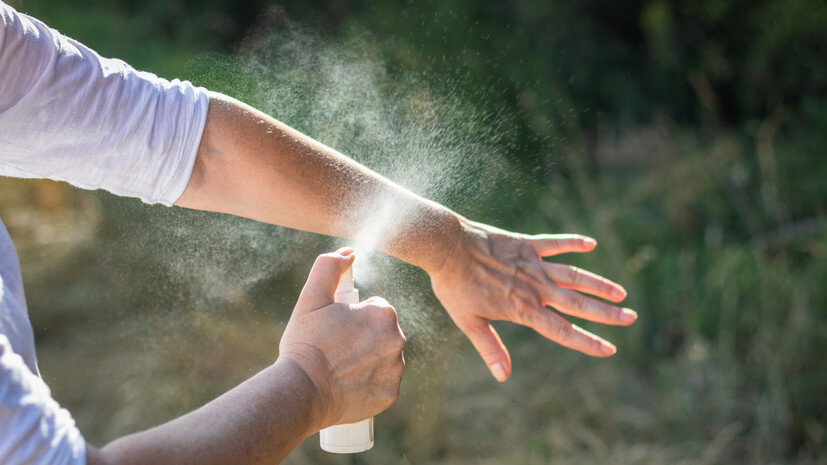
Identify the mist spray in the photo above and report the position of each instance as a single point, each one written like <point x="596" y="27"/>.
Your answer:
<point x="352" y="437"/>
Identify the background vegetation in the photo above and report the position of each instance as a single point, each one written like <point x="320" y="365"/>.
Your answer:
<point x="688" y="137"/>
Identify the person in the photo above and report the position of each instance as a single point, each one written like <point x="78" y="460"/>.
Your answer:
<point x="68" y="114"/>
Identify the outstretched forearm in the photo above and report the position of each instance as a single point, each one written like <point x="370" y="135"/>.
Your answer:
<point x="258" y="422"/>
<point x="251" y="165"/>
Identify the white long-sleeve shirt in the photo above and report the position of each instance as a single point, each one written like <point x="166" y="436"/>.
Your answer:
<point x="69" y="115"/>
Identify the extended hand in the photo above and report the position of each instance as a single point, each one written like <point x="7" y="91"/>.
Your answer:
<point x="493" y="274"/>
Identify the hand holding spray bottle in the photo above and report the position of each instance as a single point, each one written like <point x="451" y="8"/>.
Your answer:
<point x="352" y="437"/>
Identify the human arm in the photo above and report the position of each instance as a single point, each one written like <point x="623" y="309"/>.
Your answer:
<point x="259" y="421"/>
<point x="251" y="165"/>
<point x="97" y="123"/>
<point x="337" y="364"/>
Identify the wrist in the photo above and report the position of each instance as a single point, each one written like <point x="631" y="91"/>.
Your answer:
<point x="430" y="239"/>
<point x="309" y="367"/>
<point x="469" y="238"/>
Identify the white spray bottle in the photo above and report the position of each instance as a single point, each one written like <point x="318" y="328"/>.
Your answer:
<point x="352" y="437"/>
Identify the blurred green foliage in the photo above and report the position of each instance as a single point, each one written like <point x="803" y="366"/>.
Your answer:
<point x="688" y="137"/>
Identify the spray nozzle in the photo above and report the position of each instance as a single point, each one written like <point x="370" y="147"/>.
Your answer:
<point x="346" y="281"/>
<point x="346" y="292"/>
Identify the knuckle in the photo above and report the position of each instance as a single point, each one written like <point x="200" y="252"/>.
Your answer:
<point x="400" y="341"/>
<point x="392" y="347"/>
<point x="615" y="314"/>
<point x="574" y="276"/>
<point x="491" y="353"/>
<point x="391" y="341"/>
<point x="391" y="394"/>
<point x="399" y="369"/>
<point x="388" y="314"/>
<point x="383" y="316"/>
<point x="564" y="331"/>
<point x="525" y="309"/>
<point x="526" y="251"/>
<point x="378" y="301"/>
<point x="607" y="312"/>
<point x="607" y="289"/>
<point x="578" y="303"/>
<point x="391" y="310"/>
<point x="382" y="306"/>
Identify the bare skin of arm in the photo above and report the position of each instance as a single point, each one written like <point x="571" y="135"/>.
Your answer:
<point x="337" y="364"/>
<point x="254" y="166"/>
<point x="251" y="165"/>
<point x="260" y="421"/>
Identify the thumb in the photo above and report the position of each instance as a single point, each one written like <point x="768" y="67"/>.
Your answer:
<point x="491" y="348"/>
<point x="321" y="283"/>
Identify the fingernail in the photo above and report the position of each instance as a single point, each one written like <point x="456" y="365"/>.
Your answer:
<point x="589" y="242"/>
<point x="627" y="315"/>
<point x="608" y="348"/>
<point x="619" y="293"/>
<point x="345" y="251"/>
<point x="499" y="372"/>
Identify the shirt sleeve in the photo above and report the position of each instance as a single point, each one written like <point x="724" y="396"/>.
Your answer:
<point x="70" y="115"/>
<point x="34" y="429"/>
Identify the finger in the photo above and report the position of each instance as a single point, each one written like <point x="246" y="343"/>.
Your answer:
<point x="490" y="347"/>
<point x="554" y="244"/>
<point x="572" y="277"/>
<point x="554" y="327"/>
<point x="576" y="304"/>
<point x="321" y="283"/>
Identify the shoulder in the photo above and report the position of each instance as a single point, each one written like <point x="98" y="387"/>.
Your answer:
<point x="27" y="46"/>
